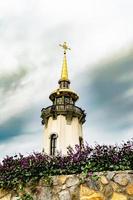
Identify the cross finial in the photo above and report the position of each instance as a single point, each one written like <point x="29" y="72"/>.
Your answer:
<point x="65" y="47"/>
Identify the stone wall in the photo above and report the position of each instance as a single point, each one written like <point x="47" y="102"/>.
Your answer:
<point x="104" y="186"/>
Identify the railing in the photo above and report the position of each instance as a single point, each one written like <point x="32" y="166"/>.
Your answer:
<point x="62" y="108"/>
<point x="66" y="110"/>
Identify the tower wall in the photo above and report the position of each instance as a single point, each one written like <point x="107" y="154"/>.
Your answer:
<point x="68" y="133"/>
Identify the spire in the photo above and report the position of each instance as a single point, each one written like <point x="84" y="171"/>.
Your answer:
<point x="64" y="73"/>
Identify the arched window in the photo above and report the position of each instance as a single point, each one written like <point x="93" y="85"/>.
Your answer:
<point x="80" y="141"/>
<point x="53" y="141"/>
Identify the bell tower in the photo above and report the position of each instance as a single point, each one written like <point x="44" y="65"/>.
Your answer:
<point x="63" y="119"/>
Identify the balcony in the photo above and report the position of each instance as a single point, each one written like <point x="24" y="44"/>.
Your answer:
<point x="62" y="109"/>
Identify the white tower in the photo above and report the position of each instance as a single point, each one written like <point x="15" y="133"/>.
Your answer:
<point x="63" y="119"/>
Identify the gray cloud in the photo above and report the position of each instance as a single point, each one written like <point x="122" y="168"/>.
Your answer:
<point x="110" y="94"/>
<point x="26" y="122"/>
<point x="12" y="80"/>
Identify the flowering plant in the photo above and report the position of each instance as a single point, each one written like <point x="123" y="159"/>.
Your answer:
<point x="17" y="171"/>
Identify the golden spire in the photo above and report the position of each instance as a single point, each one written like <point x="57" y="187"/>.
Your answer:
<point x="64" y="73"/>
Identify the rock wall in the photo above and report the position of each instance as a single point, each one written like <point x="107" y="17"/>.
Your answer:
<point x="116" y="185"/>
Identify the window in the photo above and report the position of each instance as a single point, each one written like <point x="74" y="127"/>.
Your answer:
<point x="71" y="101"/>
<point x="59" y="100"/>
<point x="80" y="141"/>
<point x="67" y="100"/>
<point x="53" y="141"/>
<point x="64" y="84"/>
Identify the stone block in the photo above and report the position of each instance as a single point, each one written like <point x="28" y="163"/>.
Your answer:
<point x="89" y="194"/>
<point x="62" y="179"/>
<point x="108" y="191"/>
<point x="45" y="193"/>
<point x="56" y="189"/>
<point x="74" y="191"/>
<point x="85" y="191"/>
<point x="59" y="180"/>
<point x="110" y="175"/>
<point x="64" y="195"/>
<point x="118" y="196"/>
<point x="55" y="197"/>
<point x="104" y="180"/>
<point x="115" y="186"/>
<point x="94" y="184"/>
<point x="129" y="189"/>
<point x="122" y="179"/>
<point x="74" y="180"/>
<point x="92" y="197"/>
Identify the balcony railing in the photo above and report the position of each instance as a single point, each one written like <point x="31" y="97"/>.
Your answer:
<point x="66" y="110"/>
<point x="62" y="108"/>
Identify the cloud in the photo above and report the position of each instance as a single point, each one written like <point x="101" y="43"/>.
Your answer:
<point x="98" y="134"/>
<point x="25" y="144"/>
<point x="109" y="93"/>
<point x="19" y="124"/>
<point x="11" y="81"/>
<point x="22" y="133"/>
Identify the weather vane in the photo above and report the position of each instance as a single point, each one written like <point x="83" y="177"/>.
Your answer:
<point x="65" y="47"/>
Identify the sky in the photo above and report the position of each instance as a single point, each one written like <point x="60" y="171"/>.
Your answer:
<point x="100" y="35"/>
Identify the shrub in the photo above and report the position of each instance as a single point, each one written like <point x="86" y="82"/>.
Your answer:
<point x="16" y="171"/>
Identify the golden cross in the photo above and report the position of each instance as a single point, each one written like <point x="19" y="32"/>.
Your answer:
<point x="65" y="47"/>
